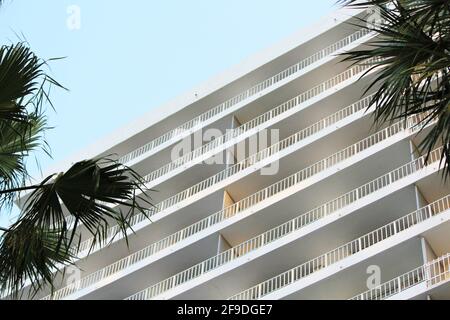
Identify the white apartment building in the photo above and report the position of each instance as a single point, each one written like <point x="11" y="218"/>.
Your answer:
<point x="273" y="183"/>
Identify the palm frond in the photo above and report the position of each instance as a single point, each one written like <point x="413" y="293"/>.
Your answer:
<point x="413" y="47"/>
<point x="89" y="191"/>
<point x="24" y="87"/>
<point x="23" y="82"/>
<point x="17" y="141"/>
<point x="20" y="71"/>
<point x="30" y="252"/>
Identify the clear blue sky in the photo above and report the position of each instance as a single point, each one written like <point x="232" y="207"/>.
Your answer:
<point x="131" y="56"/>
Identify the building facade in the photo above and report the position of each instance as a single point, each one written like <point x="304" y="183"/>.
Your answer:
<point x="273" y="183"/>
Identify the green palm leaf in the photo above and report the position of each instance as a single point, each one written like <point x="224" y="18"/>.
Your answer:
<point x="414" y="46"/>
<point x="89" y="190"/>
<point x="17" y="140"/>
<point x="30" y="252"/>
<point x="97" y="193"/>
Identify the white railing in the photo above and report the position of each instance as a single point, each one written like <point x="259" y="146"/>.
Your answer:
<point x="251" y="125"/>
<point x="177" y="133"/>
<point x="258" y="157"/>
<point x="271" y="190"/>
<point x="412" y="124"/>
<point x="248" y="202"/>
<point x="265" y="118"/>
<point x="356" y="246"/>
<point x="431" y="273"/>
<point x="140" y="217"/>
<point x="284" y="144"/>
<point x="286" y="229"/>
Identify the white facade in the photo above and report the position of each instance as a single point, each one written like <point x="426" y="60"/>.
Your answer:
<point x="285" y="189"/>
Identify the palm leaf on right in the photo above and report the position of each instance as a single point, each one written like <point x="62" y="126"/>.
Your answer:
<point x="413" y="45"/>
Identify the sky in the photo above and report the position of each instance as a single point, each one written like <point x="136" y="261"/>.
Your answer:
<point x="123" y="58"/>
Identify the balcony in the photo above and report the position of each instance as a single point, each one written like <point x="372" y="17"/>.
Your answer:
<point x="227" y="107"/>
<point x="254" y="126"/>
<point x="268" y="238"/>
<point x="289" y="182"/>
<point x="264" y="121"/>
<point x="173" y="203"/>
<point x="362" y="246"/>
<point x="232" y="104"/>
<point x="191" y="234"/>
<point x="287" y="146"/>
<point x="255" y="162"/>
<point x="431" y="277"/>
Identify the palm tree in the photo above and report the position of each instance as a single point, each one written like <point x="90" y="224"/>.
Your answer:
<point x="413" y="43"/>
<point x="90" y="191"/>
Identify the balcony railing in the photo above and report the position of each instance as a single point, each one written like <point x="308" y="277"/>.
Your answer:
<point x="196" y="123"/>
<point x="258" y="157"/>
<point x="177" y="133"/>
<point x="356" y="246"/>
<point x="306" y="219"/>
<point x="432" y="273"/>
<point x="272" y="190"/>
<point x="140" y="217"/>
<point x="258" y="123"/>
<point x="247" y="128"/>
<point x="250" y="201"/>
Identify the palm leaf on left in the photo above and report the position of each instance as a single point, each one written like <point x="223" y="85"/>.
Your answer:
<point x="97" y="193"/>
